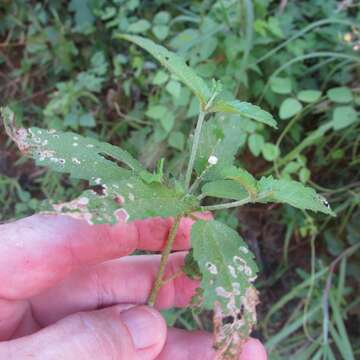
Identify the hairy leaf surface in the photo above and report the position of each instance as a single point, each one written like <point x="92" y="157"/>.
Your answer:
<point x="245" y="109"/>
<point x="293" y="193"/>
<point x="225" y="189"/>
<point x="221" y="137"/>
<point x="175" y="64"/>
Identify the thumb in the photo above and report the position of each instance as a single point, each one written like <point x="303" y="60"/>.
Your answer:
<point x="134" y="334"/>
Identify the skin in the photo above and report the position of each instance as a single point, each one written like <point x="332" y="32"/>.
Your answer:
<point x="68" y="290"/>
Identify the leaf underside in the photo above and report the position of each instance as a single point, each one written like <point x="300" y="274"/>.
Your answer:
<point x="228" y="271"/>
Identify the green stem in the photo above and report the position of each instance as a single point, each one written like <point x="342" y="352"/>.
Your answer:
<point x="194" y="148"/>
<point x="233" y="204"/>
<point x="164" y="258"/>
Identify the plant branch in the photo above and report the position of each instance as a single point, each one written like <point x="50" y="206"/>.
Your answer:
<point x="164" y="258"/>
<point x="233" y="204"/>
<point x="194" y="148"/>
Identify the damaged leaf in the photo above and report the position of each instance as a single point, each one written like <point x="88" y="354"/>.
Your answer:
<point x="228" y="271"/>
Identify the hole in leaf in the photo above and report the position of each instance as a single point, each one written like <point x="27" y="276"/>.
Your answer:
<point x="228" y="320"/>
<point x="112" y="159"/>
<point x="99" y="189"/>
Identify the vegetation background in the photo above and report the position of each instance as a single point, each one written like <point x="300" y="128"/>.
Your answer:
<point x="61" y="68"/>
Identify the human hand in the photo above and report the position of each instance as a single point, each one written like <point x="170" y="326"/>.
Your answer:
<point x="61" y="297"/>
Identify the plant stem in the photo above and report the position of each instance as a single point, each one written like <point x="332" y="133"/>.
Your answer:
<point x="164" y="258"/>
<point x="194" y="148"/>
<point x="233" y="204"/>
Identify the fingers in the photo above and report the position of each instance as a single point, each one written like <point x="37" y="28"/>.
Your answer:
<point x="137" y="333"/>
<point x="185" y="345"/>
<point x="125" y="280"/>
<point x="38" y="251"/>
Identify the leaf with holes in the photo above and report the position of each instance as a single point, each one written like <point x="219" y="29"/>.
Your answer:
<point x="126" y="190"/>
<point x="228" y="270"/>
<point x="175" y="64"/>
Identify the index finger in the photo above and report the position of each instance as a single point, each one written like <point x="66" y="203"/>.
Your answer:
<point x="38" y="251"/>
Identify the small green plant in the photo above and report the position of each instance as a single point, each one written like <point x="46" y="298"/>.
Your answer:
<point x="120" y="187"/>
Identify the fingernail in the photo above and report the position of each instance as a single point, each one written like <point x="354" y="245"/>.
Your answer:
<point x="142" y="323"/>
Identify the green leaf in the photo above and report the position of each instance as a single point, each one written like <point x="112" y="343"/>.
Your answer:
<point x="243" y="177"/>
<point x="256" y="143"/>
<point x="174" y="88"/>
<point x="343" y="117"/>
<point x="293" y="193"/>
<point x="177" y="140"/>
<point x="270" y="152"/>
<point x="129" y="199"/>
<point x="160" y="78"/>
<point x="225" y="189"/>
<point x="309" y="96"/>
<point x="228" y="270"/>
<point x="156" y="112"/>
<point x="161" y="31"/>
<point x="289" y="107"/>
<point x="81" y="157"/>
<point x="161" y="18"/>
<point x="139" y="26"/>
<point x="175" y="64"/>
<point x="340" y="94"/>
<point x="280" y="85"/>
<point x="245" y="109"/>
<point x="220" y="137"/>
<point x="118" y="191"/>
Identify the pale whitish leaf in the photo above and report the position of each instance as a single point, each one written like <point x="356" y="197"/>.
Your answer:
<point x="175" y="64"/>
<point x="228" y="270"/>
<point x="220" y="137"/>
<point x="293" y="193"/>
<point x="225" y="189"/>
<point x="245" y="109"/>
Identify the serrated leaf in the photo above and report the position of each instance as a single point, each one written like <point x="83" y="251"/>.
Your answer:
<point x="228" y="270"/>
<point x="221" y="138"/>
<point x="129" y="199"/>
<point x="225" y="189"/>
<point x="131" y="192"/>
<point x="175" y="64"/>
<point x="243" y="177"/>
<point x="245" y="109"/>
<point x="293" y="193"/>
<point x="67" y="152"/>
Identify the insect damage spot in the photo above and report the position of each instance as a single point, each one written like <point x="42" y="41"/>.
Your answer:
<point x="212" y="268"/>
